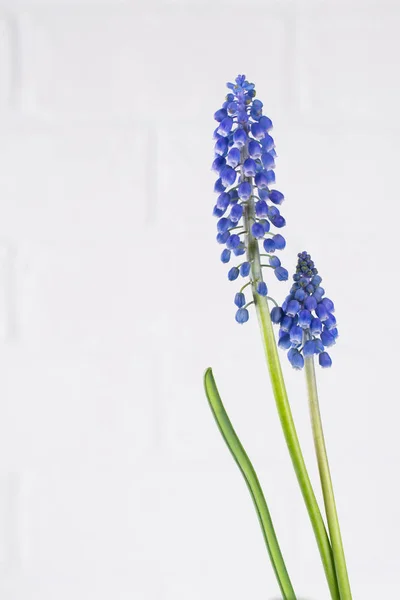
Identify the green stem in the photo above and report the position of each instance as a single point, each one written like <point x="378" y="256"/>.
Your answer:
<point x="250" y="476"/>
<point x="326" y="482"/>
<point x="285" y="413"/>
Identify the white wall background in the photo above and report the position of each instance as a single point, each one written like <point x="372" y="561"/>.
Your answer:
<point x="114" y="482"/>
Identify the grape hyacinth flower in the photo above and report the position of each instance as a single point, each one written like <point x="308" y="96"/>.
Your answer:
<point x="306" y="319"/>
<point x="246" y="206"/>
<point x="249" y="224"/>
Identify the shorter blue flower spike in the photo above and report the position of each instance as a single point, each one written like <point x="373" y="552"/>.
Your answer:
<point x="225" y="255"/>
<point x="307" y="316"/>
<point x="324" y="360"/>
<point x="242" y="315"/>
<point x="295" y="358"/>
<point x="244" y="269"/>
<point x="262" y="288"/>
<point x="240" y="299"/>
<point x="233" y="274"/>
<point x="276" y="314"/>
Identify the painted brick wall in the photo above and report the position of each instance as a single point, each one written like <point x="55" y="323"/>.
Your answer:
<point x="114" y="482"/>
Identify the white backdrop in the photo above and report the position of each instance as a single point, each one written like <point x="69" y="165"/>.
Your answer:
<point x="114" y="482"/>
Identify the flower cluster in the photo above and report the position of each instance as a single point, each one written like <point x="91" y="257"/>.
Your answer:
<point x="246" y="207"/>
<point x="307" y="323"/>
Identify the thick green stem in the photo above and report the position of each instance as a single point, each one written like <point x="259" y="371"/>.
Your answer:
<point x="284" y="411"/>
<point x="326" y="482"/>
<point x="242" y="460"/>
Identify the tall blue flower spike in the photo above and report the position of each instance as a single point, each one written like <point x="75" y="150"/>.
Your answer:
<point x="246" y="206"/>
<point x="307" y="323"/>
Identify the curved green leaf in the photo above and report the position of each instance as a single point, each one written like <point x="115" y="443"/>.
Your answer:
<point x="250" y="476"/>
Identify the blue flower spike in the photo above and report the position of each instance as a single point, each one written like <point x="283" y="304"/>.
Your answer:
<point x="306" y="317"/>
<point x="246" y="206"/>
